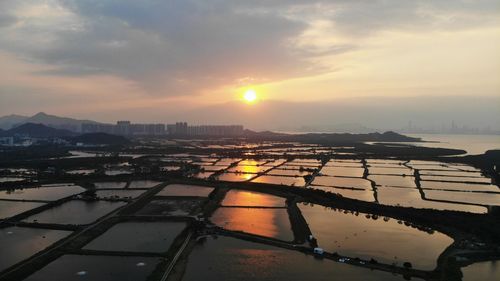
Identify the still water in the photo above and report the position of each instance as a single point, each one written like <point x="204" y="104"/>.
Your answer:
<point x="75" y="212"/>
<point x="482" y="271"/>
<point x="96" y="268"/>
<point x="272" y="223"/>
<point x="386" y="240"/>
<point x="250" y="198"/>
<point x="155" y="237"/>
<point x="11" y="208"/>
<point x="42" y="193"/>
<point x="19" y="243"/>
<point x="185" y="190"/>
<point x="473" y="144"/>
<point x="226" y="258"/>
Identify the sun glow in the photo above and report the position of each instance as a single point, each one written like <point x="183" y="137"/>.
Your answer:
<point x="250" y="96"/>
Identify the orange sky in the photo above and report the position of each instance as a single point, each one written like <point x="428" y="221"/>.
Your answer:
<point x="78" y="58"/>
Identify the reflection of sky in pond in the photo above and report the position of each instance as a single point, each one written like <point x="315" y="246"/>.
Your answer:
<point x="264" y="222"/>
<point x="391" y="180"/>
<point x="42" y="193"/>
<point x="75" y="212"/>
<point x="19" y="243"/>
<point x="235" y="177"/>
<point x="226" y="258"/>
<point x="482" y="271"/>
<point x="96" y="268"/>
<point x="292" y="181"/>
<point x="410" y="197"/>
<point x="11" y="208"/>
<point x="250" y="198"/>
<point x="185" y="190"/>
<point x="155" y="237"/>
<point x="386" y="241"/>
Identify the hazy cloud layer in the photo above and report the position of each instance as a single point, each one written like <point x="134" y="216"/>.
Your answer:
<point x="380" y="63"/>
<point x="184" y="46"/>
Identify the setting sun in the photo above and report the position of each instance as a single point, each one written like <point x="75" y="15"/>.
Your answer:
<point x="250" y="96"/>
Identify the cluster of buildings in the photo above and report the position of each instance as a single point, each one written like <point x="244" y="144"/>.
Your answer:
<point x="126" y="128"/>
<point x="29" y="141"/>
<point x="452" y="128"/>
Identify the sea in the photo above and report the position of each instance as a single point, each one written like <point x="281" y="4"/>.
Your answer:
<point x="473" y="144"/>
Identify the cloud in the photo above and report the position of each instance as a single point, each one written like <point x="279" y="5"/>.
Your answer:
<point x="184" y="47"/>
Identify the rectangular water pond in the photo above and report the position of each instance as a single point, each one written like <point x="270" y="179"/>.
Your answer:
<point x="456" y="179"/>
<point x="482" y="271"/>
<point x="343" y="182"/>
<point x="154" y="237"/>
<point x="466" y="197"/>
<point x="248" y="169"/>
<point x="185" y="190"/>
<point x="399" y="181"/>
<point x="236" y="177"/>
<point x="292" y="181"/>
<point x="264" y="222"/>
<point x="251" y="198"/>
<point x="75" y="212"/>
<point x="342" y="171"/>
<point x="47" y="193"/>
<point x="11" y="208"/>
<point x="119" y="193"/>
<point x="459" y="186"/>
<point x="96" y="268"/>
<point x="143" y="184"/>
<point x="390" y="171"/>
<point x="410" y="197"/>
<point x="451" y="173"/>
<point x="386" y="240"/>
<point x="172" y="207"/>
<point x="363" y="195"/>
<point x="227" y="258"/>
<point x="19" y="243"/>
<point x="288" y="172"/>
<point x="338" y="163"/>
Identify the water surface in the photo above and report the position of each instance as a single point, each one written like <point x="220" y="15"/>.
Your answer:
<point x="386" y="241"/>
<point x="250" y="198"/>
<point x="48" y="193"/>
<point x="75" y="212"/>
<point x="96" y="268"/>
<point x="185" y="190"/>
<point x="155" y="237"/>
<point x="19" y="243"/>
<point x="411" y="197"/>
<point x="264" y="222"/>
<point x="11" y="208"/>
<point x="482" y="271"/>
<point x="293" y="181"/>
<point x="226" y="258"/>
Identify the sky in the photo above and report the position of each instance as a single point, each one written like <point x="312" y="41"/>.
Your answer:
<point x="379" y="63"/>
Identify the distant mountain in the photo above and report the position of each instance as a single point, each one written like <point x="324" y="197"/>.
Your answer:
<point x="100" y="138"/>
<point x="353" y="128"/>
<point x="57" y="122"/>
<point x="329" y="138"/>
<point x="37" y="131"/>
<point x="6" y="122"/>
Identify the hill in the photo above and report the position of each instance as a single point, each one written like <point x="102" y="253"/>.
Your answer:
<point x="8" y="121"/>
<point x="56" y="122"/>
<point x="37" y="131"/>
<point x="328" y="138"/>
<point x="100" y="138"/>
